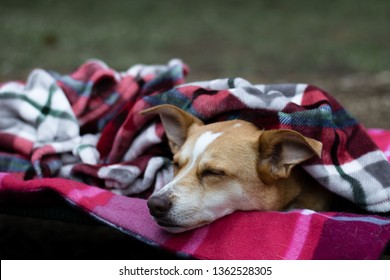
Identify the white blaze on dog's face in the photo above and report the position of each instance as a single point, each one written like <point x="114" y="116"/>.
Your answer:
<point x="217" y="170"/>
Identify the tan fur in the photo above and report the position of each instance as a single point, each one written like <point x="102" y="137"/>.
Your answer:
<point x="240" y="168"/>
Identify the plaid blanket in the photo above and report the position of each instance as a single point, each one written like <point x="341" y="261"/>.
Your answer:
<point x="86" y="127"/>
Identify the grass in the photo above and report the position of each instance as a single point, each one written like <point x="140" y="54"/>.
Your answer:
<point x="267" y="39"/>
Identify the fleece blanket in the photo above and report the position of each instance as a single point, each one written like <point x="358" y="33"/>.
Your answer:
<point x="82" y="136"/>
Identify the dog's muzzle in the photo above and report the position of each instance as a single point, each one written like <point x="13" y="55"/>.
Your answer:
<point x="162" y="208"/>
<point x="159" y="206"/>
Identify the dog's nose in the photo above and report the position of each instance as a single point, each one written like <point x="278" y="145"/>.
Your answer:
<point x="159" y="205"/>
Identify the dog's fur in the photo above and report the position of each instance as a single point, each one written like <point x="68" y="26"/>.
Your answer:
<point x="232" y="165"/>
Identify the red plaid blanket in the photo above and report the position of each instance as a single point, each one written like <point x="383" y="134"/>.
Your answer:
<point x="86" y="126"/>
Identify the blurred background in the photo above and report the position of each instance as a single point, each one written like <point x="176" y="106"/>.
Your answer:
<point x="342" y="46"/>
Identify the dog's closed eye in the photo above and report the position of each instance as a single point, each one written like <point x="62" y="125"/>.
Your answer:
<point x="212" y="172"/>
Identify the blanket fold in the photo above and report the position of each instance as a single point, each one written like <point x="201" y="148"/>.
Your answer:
<point x="86" y="127"/>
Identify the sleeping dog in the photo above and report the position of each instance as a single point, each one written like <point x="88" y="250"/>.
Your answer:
<point x="227" y="166"/>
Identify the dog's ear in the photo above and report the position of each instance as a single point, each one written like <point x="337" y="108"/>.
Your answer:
<point x="281" y="150"/>
<point x="176" y="123"/>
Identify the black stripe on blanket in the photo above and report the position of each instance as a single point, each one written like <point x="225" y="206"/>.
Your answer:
<point x="357" y="189"/>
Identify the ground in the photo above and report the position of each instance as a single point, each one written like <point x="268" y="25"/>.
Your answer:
<point x="341" y="46"/>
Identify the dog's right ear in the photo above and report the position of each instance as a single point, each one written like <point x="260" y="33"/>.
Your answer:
<point x="281" y="150"/>
<point x="176" y="123"/>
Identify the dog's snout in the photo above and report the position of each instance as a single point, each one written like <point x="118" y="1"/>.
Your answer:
<point x="159" y="205"/>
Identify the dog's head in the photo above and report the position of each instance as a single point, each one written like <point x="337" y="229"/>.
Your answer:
<point x="223" y="167"/>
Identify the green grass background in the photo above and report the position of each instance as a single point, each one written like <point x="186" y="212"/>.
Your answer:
<point x="224" y="38"/>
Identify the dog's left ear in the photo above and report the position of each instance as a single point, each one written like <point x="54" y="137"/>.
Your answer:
<point x="176" y="123"/>
<point x="281" y="150"/>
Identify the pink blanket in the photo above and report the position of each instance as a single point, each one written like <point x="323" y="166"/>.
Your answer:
<point x="81" y="136"/>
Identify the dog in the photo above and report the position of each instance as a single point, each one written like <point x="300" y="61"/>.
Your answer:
<point x="232" y="165"/>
